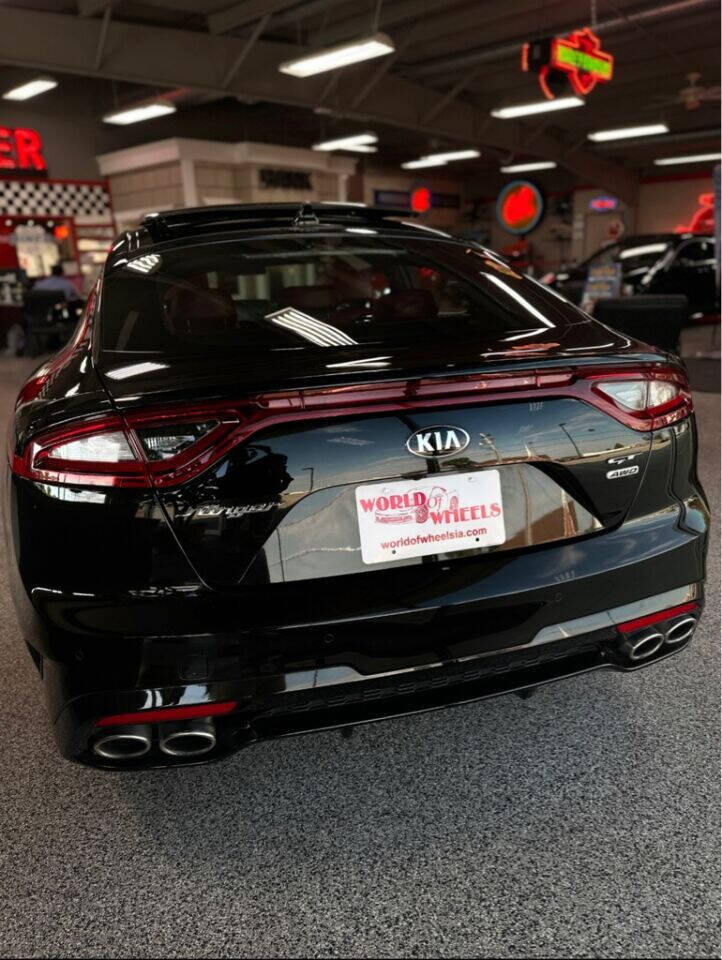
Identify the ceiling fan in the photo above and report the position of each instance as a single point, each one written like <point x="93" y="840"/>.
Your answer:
<point x="692" y="95"/>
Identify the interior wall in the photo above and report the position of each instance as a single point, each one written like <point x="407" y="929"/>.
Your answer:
<point x="385" y="178"/>
<point x="71" y="137"/>
<point x="666" y="204"/>
<point x="155" y="187"/>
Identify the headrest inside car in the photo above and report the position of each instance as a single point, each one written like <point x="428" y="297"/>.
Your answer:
<point x="193" y="310"/>
<point x="407" y="305"/>
<point x="310" y="298"/>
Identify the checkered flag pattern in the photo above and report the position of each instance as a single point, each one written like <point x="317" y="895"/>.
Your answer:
<point x="47" y="198"/>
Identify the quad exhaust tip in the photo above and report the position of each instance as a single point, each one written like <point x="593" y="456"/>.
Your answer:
<point x="642" y="645"/>
<point x="680" y="630"/>
<point x="124" y="743"/>
<point x="187" y="739"/>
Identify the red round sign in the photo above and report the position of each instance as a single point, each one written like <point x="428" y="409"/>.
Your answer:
<point x="520" y="206"/>
<point x="421" y="200"/>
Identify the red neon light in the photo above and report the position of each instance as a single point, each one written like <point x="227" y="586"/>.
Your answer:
<point x="587" y="42"/>
<point x="640" y="622"/>
<point x="520" y="207"/>
<point x="578" y="56"/>
<point x="703" y="219"/>
<point x="162" y="714"/>
<point x="21" y="149"/>
<point x="421" y="200"/>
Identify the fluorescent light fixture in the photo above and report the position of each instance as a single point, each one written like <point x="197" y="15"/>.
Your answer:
<point x="357" y="142"/>
<point x="422" y="163"/>
<point x="145" y="264"/>
<point x="144" y="111"/>
<point x="451" y="155"/>
<point x="518" y="297"/>
<point x="315" y="331"/>
<point x="692" y="158"/>
<point x="440" y="159"/>
<point x="624" y="133"/>
<point x="135" y="369"/>
<point x="528" y="167"/>
<point x="372" y="363"/>
<point x="31" y="89"/>
<point x="341" y="55"/>
<point x="540" y="106"/>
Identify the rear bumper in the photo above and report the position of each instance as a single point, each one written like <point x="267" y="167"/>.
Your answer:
<point x="445" y="634"/>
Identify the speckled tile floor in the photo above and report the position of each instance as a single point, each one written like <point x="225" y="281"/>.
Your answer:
<point x="583" y="822"/>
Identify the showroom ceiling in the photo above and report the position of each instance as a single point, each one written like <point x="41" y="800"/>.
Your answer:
<point x="454" y="62"/>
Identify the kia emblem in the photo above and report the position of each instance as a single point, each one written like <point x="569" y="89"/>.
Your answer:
<point x="441" y="441"/>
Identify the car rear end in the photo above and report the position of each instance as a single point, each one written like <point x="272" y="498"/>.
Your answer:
<point x="297" y="476"/>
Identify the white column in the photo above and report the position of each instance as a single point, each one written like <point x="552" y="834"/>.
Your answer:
<point x="188" y="183"/>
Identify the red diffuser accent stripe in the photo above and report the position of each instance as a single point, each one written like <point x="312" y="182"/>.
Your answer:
<point x="163" y="714"/>
<point x="640" y="622"/>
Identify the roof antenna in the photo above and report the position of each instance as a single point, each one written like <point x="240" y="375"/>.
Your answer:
<point x="306" y="216"/>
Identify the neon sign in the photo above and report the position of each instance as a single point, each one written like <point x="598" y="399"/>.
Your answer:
<point x="421" y="200"/>
<point x="703" y="218"/>
<point x="603" y="203"/>
<point x="578" y="59"/>
<point x="520" y="206"/>
<point x="21" y="149"/>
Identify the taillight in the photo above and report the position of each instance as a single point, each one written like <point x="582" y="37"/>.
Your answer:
<point x="167" y="447"/>
<point x="142" y="451"/>
<point x="646" y="400"/>
<point x="98" y="453"/>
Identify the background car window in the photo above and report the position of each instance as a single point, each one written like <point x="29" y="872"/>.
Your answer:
<point x="697" y="252"/>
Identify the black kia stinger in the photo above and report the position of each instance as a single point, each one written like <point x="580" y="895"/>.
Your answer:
<point x="307" y="468"/>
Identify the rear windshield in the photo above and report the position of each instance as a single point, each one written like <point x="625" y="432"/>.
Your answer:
<point x="317" y="292"/>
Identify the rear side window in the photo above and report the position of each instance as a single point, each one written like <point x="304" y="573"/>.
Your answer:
<point x="313" y="293"/>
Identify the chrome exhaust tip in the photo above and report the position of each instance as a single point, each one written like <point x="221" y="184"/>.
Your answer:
<point x="187" y="739"/>
<point x="641" y="646"/>
<point x="680" y="630"/>
<point x="123" y="743"/>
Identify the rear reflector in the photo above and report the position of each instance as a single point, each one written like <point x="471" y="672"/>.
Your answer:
<point x="631" y="625"/>
<point x="163" y="714"/>
<point x="168" y="446"/>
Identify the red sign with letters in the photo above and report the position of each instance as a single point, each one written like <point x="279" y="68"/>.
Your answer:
<point x="578" y="58"/>
<point x="21" y="150"/>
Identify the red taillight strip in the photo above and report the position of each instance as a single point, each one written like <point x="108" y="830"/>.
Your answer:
<point x="238" y="422"/>
<point x="631" y="625"/>
<point x="165" y="714"/>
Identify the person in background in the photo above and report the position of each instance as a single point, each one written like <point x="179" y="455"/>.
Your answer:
<point x="57" y="281"/>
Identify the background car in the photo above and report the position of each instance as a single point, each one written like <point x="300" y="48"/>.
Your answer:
<point x="658" y="263"/>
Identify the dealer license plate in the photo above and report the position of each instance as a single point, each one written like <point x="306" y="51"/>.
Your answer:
<point x="442" y="513"/>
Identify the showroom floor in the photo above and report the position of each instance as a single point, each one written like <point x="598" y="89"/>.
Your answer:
<point x="582" y="822"/>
